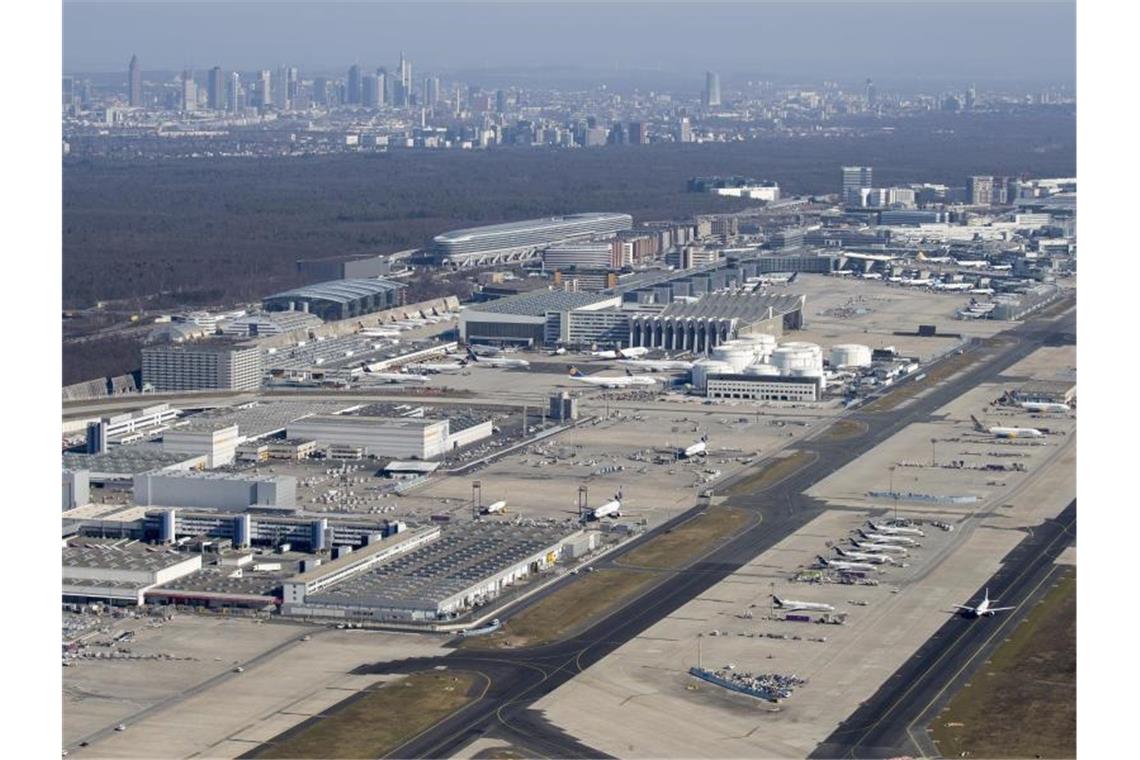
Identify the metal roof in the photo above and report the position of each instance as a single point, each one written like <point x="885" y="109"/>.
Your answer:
<point x="746" y="306"/>
<point x="340" y="291"/>
<point x="538" y="303"/>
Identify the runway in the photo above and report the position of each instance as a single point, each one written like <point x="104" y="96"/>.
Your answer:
<point x="521" y="677"/>
<point x="894" y="721"/>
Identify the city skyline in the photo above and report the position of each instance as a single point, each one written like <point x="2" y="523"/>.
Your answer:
<point x="332" y="37"/>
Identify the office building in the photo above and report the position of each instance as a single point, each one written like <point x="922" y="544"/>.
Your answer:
<point x="230" y="491"/>
<point x="763" y="388"/>
<point x="235" y="94"/>
<point x="684" y="130"/>
<point x="712" y="89"/>
<point x="578" y="256"/>
<point x="871" y="93"/>
<point x="431" y="91"/>
<point x="353" y="90"/>
<point x="204" y="365"/>
<point x="134" y="77"/>
<point x="980" y="191"/>
<point x="263" y="94"/>
<point x="339" y="299"/>
<point x="188" y="101"/>
<point x="855" y="179"/>
<point x="370" y="96"/>
<point x="280" y="89"/>
<point x="216" y="89"/>
<point x="405" y="76"/>
<point x="321" y="92"/>
<point x="515" y="241"/>
<point x="637" y="134"/>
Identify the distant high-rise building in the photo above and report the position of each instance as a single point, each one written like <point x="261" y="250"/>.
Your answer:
<point x="216" y="89"/>
<point x="370" y="92"/>
<point x="189" y="95"/>
<point x="353" y="94"/>
<point x="431" y="91"/>
<point x="971" y="97"/>
<point x="501" y="102"/>
<point x="980" y="191"/>
<point x="871" y="93"/>
<point x="134" y="77"/>
<point x="855" y="178"/>
<point x="281" y="88"/>
<point x="235" y="96"/>
<point x="712" y="89"/>
<point x="684" y="130"/>
<point x="637" y="133"/>
<point x="618" y="135"/>
<point x="292" y="85"/>
<point x="405" y="74"/>
<point x="263" y="93"/>
<point x="68" y="92"/>
<point x="320" y="91"/>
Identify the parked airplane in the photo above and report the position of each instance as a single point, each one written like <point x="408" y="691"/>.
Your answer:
<point x="1007" y="432"/>
<point x="875" y="559"/>
<point x="621" y="353"/>
<point x="983" y="609"/>
<point x="700" y="448"/>
<point x="496" y="361"/>
<point x="611" y="508"/>
<point x="657" y="365"/>
<point x="622" y="381"/>
<point x="558" y="351"/>
<point x="882" y="548"/>
<point x="791" y="605"/>
<point x="894" y="530"/>
<point x="835" y="564"/>
<point x="1044" y="406"/>
<point x="881" y="538"/>
<point x="395" y="377"/>
<point x="439" y="368"/>
<point x="494" y="508"/>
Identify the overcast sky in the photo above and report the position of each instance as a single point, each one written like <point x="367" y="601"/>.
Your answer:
<point x="809" y="40"/>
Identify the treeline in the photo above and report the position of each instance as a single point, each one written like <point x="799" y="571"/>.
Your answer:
<point x="209" y="231"/>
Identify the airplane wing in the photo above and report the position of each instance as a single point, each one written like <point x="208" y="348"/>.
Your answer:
<point x="1000" y="609"/>
<point x="963" y="607"/>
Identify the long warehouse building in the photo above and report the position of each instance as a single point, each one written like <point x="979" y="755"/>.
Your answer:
<point x="515" y="241"/>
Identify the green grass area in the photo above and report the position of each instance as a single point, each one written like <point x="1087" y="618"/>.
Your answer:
<point x="379" y="720"/>
<point x="908" y="389"/>
<point x="595" y="594"/>
<point x="841" y="430"/>
<point x="686" y="543"/>
<point x="771" y="473"/>
<point x="1023" y="702"/>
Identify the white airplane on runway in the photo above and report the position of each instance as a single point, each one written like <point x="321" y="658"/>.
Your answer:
<point x="868" y="546"/>
<point x="622" y="381"/>
<point x="983" y="609"/>
<point x="792" y="605"/>
<point x="438" y="368"/>
<point x="874" y="559"/>
<point x="882" y="538"/>
<point x="1007" y="432"/>
<point x="893" y="530"/>
<point x="700" y="448"/>
<point x="496" y="361"/>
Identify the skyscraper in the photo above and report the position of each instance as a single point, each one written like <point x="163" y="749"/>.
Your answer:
<point x="684" y="130"/>
<point x="216" y="89"/>
<point x="971" y="97"/>
<point x="712" y="89"/>
<point x="189" y="95"/>
<point x="382" y="85"/>
<point x="855" y="178"/>
<point x="263" y="95"/>
<point x="134" y="77"/>
<point x="405" y="74"/>
<point x="353" y="85"/>
<point x="234" y="95"/>
<point x="370" y="91"/>
<point x="637" y="133"/>
<point x="281" y="88"/>
<point x="292" y="85"/>
<point x="431" y="91"/>
<point x="320" y="91"/>
<point x="501" y="102"/>
<point x="980" y="190"/>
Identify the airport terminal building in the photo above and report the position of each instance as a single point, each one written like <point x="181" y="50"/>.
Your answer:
<point x="516" y="241"/>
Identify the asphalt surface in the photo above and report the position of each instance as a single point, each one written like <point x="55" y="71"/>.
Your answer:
<point x="893" y="722"/>
<point x="520" y="677"/>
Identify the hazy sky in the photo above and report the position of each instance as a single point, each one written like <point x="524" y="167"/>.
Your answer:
<point x="839" y="40"/>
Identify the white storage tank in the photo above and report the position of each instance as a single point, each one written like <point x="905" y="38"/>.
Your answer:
<point x="702" y="368"/>
<point x="762" y="342"/>
<point x="850" y="355"/>
<point x="737" y="356"/>
<point x="797" y="356"/>
<point x="761" y="370"/>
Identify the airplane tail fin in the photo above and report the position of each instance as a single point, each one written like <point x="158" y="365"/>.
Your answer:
<point x="978" y="425"/>
<point x="574" y="372"/>
<point x="471" y="355"/>
<point x="628" y="372"/>
<point x="705" y="437"/>
<point x="777" y="600"/>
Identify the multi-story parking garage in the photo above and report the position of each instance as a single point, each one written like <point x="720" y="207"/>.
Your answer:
<point x="515" y="241"/>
